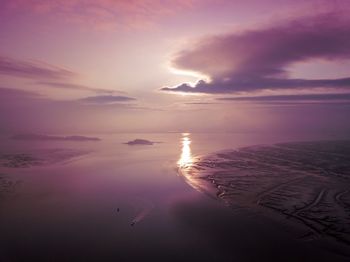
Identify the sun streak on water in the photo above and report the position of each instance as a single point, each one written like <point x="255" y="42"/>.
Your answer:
<point x="186" y="155"/>
<point x="186" y="161"/>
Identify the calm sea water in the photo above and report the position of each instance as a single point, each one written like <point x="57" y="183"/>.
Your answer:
<point x="127" y="203"/>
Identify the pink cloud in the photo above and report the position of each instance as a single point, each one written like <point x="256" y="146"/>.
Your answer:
<point x="107" y="14"/>
<point x="32" y="69"/>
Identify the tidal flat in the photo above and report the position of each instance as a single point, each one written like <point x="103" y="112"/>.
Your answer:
<point x="304" y="185"/>
<point x="108" y="201"/>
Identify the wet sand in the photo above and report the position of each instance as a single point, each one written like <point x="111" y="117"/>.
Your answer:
<point x="302" y="185"/>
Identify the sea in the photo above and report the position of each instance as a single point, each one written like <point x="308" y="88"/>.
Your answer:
<point x="109" y="201"/>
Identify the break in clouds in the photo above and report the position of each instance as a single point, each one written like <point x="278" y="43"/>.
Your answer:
<point x="257" y="59"/>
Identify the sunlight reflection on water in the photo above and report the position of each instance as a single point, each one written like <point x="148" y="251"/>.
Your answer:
<point x="186" y="156"/>
<point x="186" y="162"/>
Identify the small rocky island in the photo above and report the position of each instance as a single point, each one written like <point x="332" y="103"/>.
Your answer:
<point x="140" y="142"/>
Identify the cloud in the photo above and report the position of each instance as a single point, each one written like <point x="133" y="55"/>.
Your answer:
<point x="106" y="99"/>
<point x="77" y="87"/>
<point x="32" y="69"/>
<point x="27" y="112"/>
<point x="6" y="93"/>
<point x="261" y="83"/>
<point x="300" y="97"/>
<point x="200" y="103"/>
<point x="42" y="71"/>
<point x="105" y="14"/>
<point x="45" y="74"/>
<point x="258" y="59"/>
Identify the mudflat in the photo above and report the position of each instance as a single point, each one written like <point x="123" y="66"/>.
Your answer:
<point x="304" y="185"/>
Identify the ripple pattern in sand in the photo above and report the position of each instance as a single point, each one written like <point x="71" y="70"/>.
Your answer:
<point x="306" y="183"/>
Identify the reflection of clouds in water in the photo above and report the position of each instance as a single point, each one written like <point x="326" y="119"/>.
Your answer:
<point x="186" y="156"/>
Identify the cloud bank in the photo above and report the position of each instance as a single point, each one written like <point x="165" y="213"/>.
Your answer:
<point x="45" y="74"/>
<point x="8" y="93"/>
<point x="106" y="14"/>
<point x="258" y="59"/>
<point x="32" y="69"/>
<point x="106" y="99"/>
<point x="301" y="97"/>
<point x="70" y="86"/>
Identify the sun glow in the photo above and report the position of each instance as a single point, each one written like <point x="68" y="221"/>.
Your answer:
<point x="186" y="155"/>
<point x="197" y="75"/>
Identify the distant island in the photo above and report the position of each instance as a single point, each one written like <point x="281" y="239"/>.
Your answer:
<point x="140" y="142"/>
<point x="40" y="137"/>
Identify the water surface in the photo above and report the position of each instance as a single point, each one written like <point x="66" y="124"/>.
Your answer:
<point x="105" y="201"/>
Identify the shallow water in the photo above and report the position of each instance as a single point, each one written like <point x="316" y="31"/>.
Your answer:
<point x="113" y="201"/>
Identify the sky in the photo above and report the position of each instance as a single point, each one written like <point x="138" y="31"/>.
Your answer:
<point x="89" y="66"/>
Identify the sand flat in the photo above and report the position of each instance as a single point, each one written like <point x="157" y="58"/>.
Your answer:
<point x="302" y="183"/>
<point x="39" y="157"/>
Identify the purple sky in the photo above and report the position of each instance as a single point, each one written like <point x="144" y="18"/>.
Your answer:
<point x="202" y="65"/>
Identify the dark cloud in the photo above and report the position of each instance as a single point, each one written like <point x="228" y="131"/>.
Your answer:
<point x="301" y="97"/>
<point x="258" y="59"/>
<point x="236" y="85"/>
<point x="32" y="69"/>
<point x="107" y="99"/>
<point x="76" y="87"/>
<point x="200" y="103"/>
